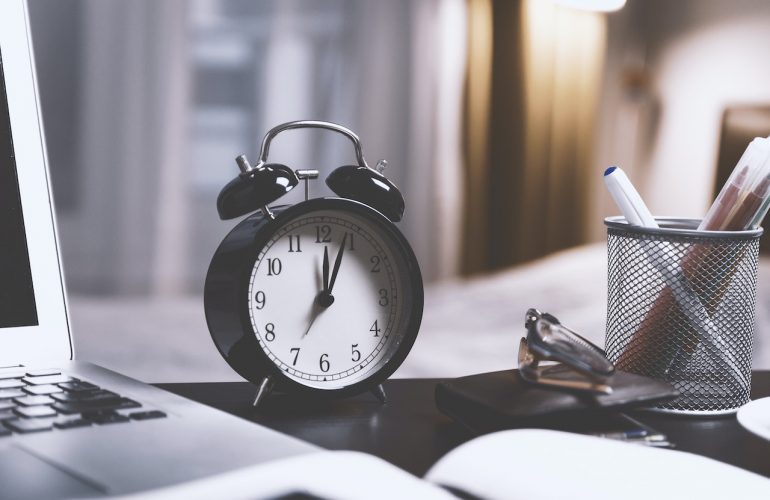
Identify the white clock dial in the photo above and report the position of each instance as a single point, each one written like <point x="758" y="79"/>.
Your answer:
<point x="327" y="335"/>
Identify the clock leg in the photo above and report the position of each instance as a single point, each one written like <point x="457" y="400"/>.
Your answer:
<point x="379" y="393"/>
<point x="264" y="389"/>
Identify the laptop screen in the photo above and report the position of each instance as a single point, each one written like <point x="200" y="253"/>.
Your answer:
<point x="17" y="296"/>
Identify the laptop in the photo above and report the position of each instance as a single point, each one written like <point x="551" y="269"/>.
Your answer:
<point x="69" y="428"/>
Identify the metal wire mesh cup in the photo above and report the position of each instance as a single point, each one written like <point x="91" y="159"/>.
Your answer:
<point x="681" y="308"/>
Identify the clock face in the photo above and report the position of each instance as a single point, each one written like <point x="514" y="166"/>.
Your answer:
<point x="329" y="297"/>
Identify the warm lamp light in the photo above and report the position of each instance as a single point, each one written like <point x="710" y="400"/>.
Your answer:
<point x="593" y="5"/>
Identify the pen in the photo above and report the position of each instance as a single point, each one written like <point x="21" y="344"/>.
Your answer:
<point x="639" y="434"/>
<point x="760" y="215"/>
<point x="746" y="211"/>
<point x="723" y="205"/>
<point x="636" y="213"/>
<point x="630" y="434"/>
<point x="627" y="198"/>
<point x="752" y="207"/>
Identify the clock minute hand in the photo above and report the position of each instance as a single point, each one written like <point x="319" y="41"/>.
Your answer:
<point x="337" y="263"/>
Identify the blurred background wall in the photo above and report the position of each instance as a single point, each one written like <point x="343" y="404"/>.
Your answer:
<point x="672" y="69"/>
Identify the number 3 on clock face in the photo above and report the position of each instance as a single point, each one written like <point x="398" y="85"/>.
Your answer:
<point x="334" y="297"/>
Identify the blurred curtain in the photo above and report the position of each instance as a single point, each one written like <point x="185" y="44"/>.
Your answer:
<point x="435" y="197"/>
<point x="532" y="89"/>
<point x="123" y="228"/>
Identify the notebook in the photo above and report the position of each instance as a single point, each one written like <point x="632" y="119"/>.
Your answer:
<point x="502" y="400"/>
<point x="530" y="463"/>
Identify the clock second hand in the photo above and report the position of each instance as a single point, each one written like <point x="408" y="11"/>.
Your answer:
<point x="314" y="313"/>
<point x="317" y="301"/>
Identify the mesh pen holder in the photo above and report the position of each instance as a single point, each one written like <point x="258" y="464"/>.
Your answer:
<point x="681" y="308"/>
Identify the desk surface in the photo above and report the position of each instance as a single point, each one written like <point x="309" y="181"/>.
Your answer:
<point x="411" y="433"/>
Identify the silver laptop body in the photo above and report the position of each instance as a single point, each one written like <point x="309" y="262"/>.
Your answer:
<point x="118" y="451"/>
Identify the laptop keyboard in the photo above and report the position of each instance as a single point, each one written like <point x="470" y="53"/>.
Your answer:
<point x="47" y="400"/>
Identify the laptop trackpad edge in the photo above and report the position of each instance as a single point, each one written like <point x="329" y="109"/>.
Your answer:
<point x="25" y="475"/>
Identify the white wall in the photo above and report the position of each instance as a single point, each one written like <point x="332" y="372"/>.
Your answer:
<point x="700" y="56"/>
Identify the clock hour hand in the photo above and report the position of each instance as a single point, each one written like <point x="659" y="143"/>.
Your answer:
<point x="325" y="298"/>
<point x="326" y="269"/>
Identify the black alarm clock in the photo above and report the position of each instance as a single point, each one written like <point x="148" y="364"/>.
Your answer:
<point x="321" y="298"/>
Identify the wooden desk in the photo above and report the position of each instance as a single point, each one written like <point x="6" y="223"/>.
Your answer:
<point x="411" y="433"/>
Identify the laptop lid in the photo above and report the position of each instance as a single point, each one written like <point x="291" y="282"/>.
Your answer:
<point x="33" y="314"/>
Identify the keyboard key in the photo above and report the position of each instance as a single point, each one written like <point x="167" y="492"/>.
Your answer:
<point x="40" y="390"/>
<point x="35" y="411"/>
<point x="5" y="374"/>
<point x="47" y="379"/>
<point x="10" y="393"/>
<point x="78" y="386"/>
<point x="11" y="383"/>
<point x="34" y="400"/>
<point x="90" y="415"/>
<point x="25" y="425"/>
<point x="66" y="397"/>
<point x="94" y="406"/>
<point x="147" y="415"/>
<point x="4" y="432"/>
<point x="108" y="418"/>
<point x="7" y="415"/>
<point x="40" y="373"/>
<point x="7" y="404"/>
<point x="72" y="423"/>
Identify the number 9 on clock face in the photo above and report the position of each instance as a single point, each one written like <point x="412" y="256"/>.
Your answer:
<point x="334" y="295"/>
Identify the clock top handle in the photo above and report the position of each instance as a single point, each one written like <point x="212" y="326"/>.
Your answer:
<point x="270" y="135"/>
<point x="356" y="182"/>
<point x="261" y="184"/>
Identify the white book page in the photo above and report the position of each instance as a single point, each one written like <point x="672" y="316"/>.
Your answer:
<point x="340" y="475"/>
<point x="540" y="464"/>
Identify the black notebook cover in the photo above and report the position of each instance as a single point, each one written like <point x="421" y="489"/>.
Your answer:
<point x="502" y="400"/>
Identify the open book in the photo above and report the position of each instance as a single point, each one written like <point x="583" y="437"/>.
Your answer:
<point x="527" y="464"/>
